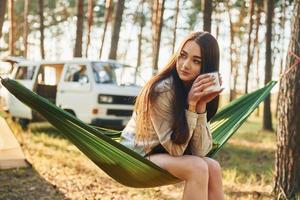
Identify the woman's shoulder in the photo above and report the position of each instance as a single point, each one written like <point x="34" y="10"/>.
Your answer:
<point x="164" y="85"/>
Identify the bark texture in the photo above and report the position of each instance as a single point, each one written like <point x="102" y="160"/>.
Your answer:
<point x="79" y="29"/>
<point x="116" y="30"/>
<point x="267" y="117"/>
<point x="287" y="178"/>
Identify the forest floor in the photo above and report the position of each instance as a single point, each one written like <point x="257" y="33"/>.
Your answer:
<point x="60" y="171"/>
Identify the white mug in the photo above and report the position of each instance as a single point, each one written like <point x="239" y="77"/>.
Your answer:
<point x="216" y="86"/>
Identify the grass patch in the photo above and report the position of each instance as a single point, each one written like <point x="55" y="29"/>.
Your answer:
<point x="248" y="162"/>
<point x="62" y="170"/>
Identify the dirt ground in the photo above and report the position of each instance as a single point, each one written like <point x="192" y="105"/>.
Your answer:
<point x="60" y="171"/>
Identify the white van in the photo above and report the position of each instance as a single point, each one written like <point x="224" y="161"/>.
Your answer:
<point x="7" y="64"/>
<point x="100" y="93"/>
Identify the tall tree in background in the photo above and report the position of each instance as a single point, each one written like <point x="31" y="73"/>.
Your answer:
<point x="129" y="39"/>
<point x="267" y="118"/>
<point x="249" y="54"/>
<point x="257" y="47"/>
<point x="2" y="14"/>
<point x="54" y="14"/>
<point x="193" y="15"/>
<point x="208" y="8"/>
<point x="142" y="23"/>
<point x="11" y="43"/>
<point x="282" y="37"/>
<point x="218" y="12"/>
<point x="158" y="7"/>
<point x="287" y="178"/>
<point x="175" y="25"/>
<point x="235" y="35"/>
<point x="79" y="29"/>
<point x="25" y="32"/>
<point x="42" y="37"/>
<point x="108" y="11"/>
<point x="89" y="23"/>
<point x="116" y="30"/>
<point x="233" y="67"/>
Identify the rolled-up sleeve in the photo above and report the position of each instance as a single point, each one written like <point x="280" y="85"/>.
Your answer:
<point x="162" y="118"/>
<point x="201" y="142"/>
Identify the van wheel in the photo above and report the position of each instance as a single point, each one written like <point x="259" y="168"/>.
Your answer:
<point x="71" y="112"/>
<point x="24" y="123"/>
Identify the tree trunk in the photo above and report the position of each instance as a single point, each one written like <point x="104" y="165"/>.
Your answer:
<point x="218" y="11"/>
<point x="175" y="26"/>
<point x="249" y="55"/>
<point x="89" y="23"/>
<point x="282" y="25"/>
<point x="257" y="74"/>
<point x="137" y="20"/>
<point x="158" y="8"/>
<point x="11" y="42"/>
<point x="79" y="29"/>
<point x="116" y="30"/>
<point x="257" y="47"/>
<point x="42" y="37"/>
<point x="2" y="14"/>
<point x="287" y="177"/>
<point x="108" y="11"/>
<point x="142" y="22"/>
<point x="267" y="118"/>
<point x="207" y="15"/>
<point x="236" y="69"/>
<point x="233" y="67"/>
<point x="25" y="33"/>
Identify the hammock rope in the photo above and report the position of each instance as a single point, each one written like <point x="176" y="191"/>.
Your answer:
<point x="119" y="162"/>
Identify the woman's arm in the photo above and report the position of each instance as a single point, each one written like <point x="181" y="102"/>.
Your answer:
<point x="161" y="116"/>
<point x="201" y="142"/>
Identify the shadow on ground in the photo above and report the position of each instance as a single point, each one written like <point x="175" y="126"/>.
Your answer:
<point x="26" y="183"/>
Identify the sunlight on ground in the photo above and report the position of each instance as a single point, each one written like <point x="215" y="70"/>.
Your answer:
<point x="60" y="170"/>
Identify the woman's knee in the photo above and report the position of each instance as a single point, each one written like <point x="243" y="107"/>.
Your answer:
<point x="197" y="167"/>
<point x="213" y="166"/>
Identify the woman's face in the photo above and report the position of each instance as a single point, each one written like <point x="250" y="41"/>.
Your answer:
<point x="188" y="63"/>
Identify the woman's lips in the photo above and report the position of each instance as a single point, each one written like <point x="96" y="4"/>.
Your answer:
<point x="185" y="73"/>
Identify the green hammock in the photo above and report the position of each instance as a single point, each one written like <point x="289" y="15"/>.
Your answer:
<point x="119" y="162"/>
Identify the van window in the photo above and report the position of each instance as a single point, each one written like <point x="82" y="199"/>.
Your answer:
<point x="115" y="73"/>
<point x="104" y="73"/>
<point x="76" y="73"/>
<point x="126" y="75"/>
<point x="47" y="75"/>
<point x="25" y="72"/>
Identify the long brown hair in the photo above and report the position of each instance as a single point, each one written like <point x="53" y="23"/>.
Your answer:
<point x="210" y="63"/>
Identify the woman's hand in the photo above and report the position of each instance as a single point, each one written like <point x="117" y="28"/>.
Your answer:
<point x="209" y="95"/>
<point x="197" y="90"/>
<point x="198" y="96"/>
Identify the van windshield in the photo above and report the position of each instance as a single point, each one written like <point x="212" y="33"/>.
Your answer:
<point x="25" y="73"/>
<point x="113" y="73"/>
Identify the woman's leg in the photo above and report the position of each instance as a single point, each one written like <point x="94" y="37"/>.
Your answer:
<point x="191" y="169"/>
<point x="215" y="190"/>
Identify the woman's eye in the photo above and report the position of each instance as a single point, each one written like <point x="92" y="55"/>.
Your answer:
<point x="182" y="55"/>
<point x="197" y="61"/>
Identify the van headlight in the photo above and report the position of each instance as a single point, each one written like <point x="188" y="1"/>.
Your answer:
<point x="105" y="99"/>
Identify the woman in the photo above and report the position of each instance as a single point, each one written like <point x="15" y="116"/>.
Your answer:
<point x="169" y="125"/>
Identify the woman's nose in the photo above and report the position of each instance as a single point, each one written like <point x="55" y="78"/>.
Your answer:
<point x="186" y="64"/>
